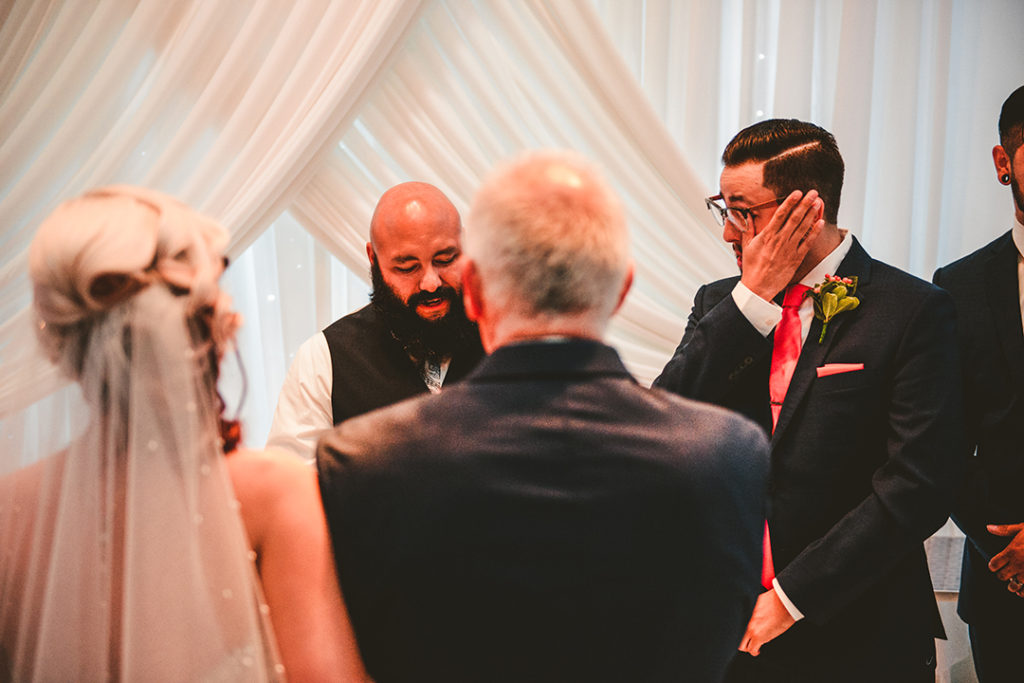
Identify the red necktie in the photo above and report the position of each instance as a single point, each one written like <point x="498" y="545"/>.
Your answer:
<point x="785" y="353"/>
<point x="785" y="349"/>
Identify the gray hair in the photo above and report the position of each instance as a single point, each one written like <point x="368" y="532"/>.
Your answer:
<point x="548" y="236"/>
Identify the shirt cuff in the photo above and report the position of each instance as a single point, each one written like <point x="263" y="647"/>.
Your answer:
<point x="786" y="602"/>
<point x="763" y="315"/>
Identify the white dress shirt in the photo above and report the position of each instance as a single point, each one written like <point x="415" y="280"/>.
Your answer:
<point x="304" y="411"/>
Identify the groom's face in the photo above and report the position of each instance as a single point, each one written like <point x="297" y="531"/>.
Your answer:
<point x="742" y="187"/>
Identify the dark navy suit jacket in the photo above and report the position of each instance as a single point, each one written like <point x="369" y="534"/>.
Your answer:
<point x="863" y="463"/>
<point x="547" y="519"/>
<point x="985" y="291"/>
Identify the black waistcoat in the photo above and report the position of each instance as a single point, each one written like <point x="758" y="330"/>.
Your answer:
<point x="371" y="369"/>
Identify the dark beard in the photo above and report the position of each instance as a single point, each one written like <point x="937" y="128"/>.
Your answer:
<point x="1016" y="191"/>
<point x="424" y="340"/>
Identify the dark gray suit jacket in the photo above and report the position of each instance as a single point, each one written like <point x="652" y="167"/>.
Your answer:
<point x="547" y="519"/>
<point x="985" y="291"/>
<point x="863" y="463"/>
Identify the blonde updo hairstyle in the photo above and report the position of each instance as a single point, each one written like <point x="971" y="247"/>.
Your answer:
<point x="94" y="256"/>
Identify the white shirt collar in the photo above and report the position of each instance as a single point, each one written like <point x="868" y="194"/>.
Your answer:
<point x="829" y="264"/>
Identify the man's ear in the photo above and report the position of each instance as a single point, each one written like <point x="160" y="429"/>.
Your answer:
<point x="626" y="286"/>
<point x="369" y="253"/>
<point x="471" y="290"/>
<point x="1002" y="162"/>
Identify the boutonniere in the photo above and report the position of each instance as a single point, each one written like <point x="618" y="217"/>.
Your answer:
<point x="832" y="297"/>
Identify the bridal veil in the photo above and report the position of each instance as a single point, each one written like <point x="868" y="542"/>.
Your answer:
<point x="123" y="557"/>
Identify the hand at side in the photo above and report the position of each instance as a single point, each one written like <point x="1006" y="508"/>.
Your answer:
<point x="769" y="620"/>
<point x="1008" y="565"/>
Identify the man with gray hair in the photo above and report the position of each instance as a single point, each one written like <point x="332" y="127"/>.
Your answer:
<point x="547" y="519"/>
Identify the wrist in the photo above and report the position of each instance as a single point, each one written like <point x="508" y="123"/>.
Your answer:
<point x="765" y="291"/>
<point x="787" y="604"/>
<point x="762" y="314"/>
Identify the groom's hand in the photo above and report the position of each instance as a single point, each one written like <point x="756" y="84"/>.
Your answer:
<point x="772" y="256"/>
<point x="769" y="620"/>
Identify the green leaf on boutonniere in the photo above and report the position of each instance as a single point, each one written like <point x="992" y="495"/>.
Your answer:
<point x="832" y="297"/>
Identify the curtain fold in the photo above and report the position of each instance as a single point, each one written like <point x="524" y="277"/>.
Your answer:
<point x="286" y="121"/>
<point x="910" y="89"/>
<point x="510" y="76"/>
<point x="229" y="106"/>
<point x="304" y="113"/>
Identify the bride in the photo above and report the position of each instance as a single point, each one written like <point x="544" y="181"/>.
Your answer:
<point x="140" y="552"/>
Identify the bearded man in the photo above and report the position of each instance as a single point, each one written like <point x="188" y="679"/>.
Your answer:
<point x="986" y="286"/>
<point x="547" y="519"/>
<point x="411" y="339"/>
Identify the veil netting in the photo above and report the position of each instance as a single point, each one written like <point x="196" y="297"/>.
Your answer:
<point x="123" y="557"/>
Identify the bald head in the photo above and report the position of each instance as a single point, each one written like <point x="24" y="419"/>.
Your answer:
<point x="548" y="239"/>
<point x="412" y="209"/>
<point x="415" y="243"/>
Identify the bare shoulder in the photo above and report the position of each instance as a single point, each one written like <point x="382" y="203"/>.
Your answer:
<point x="280" y="505"/>
<point x="270" y="473"/>
<point x="276" y="490"/>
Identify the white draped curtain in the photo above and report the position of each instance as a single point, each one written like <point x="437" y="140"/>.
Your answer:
<point x="910" y="88"/>
<point x="229" y="106"/>
<point x="287" y="120"/>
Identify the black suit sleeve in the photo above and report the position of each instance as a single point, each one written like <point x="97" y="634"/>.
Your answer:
<point x="968" y="510"/>
<point x="718" y="348"/>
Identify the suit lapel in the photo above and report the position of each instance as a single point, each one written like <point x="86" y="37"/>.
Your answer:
<point x="812" y="354"/>
<point x="1003" y="293"/>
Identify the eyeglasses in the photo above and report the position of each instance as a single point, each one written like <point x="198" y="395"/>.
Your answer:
<point x="736" y="215"/>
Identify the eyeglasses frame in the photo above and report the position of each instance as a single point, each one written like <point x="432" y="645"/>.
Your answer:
<point x="723" y="213"/>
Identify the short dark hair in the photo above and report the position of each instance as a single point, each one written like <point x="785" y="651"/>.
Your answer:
<point x="1011" y="122"/>
<point x="797" y="156"/>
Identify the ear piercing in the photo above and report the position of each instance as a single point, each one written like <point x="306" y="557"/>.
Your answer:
<point x="1005" y="179"/>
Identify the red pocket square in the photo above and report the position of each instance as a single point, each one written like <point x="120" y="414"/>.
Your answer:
<point x="837" y="368"/>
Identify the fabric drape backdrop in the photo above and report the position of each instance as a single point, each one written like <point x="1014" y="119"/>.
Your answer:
<point x="287" y="120"/>
<point x="228" y="106"/>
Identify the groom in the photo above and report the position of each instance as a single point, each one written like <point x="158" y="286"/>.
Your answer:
<point x="860" y="400"/>
<point x="547" y="519"/>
